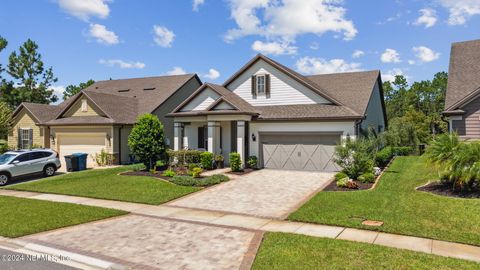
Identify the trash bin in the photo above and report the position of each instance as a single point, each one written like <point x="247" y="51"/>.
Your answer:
<point x="81" y="160"/>
<point x="72" y="163"/>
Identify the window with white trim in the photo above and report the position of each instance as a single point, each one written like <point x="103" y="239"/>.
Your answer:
<point x="84" y="105"/>
<point x="25" y="138"/>
<point x="260" y="87"/>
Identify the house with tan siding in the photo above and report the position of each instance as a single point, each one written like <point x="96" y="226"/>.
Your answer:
<point x="462" y="104"/>
<point x="100" y="117"/>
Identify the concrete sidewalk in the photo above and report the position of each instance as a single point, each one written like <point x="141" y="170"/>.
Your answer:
<point x="441" y="248"/>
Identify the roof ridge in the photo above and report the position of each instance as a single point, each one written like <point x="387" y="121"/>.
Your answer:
<point x="149" y="77"/>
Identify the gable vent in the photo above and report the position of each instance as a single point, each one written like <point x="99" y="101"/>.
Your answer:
<point x="123" y="90"/>
<point x="151" y="88"/>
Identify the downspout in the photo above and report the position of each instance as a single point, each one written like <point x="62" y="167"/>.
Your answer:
<point x="357" y="126"/>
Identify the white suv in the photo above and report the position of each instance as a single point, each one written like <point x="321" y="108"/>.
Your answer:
<point x="26" y="162"/>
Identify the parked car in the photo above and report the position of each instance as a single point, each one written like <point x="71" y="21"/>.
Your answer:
<point x="28" y="162"/>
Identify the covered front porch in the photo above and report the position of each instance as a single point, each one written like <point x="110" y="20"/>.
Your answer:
<point x="217" y="134"/>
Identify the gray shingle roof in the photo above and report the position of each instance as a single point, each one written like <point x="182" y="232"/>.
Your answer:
<point x="309" y="111"/>
<point x="80" y="120"/>
<point x="121" y="109"/>
<point x="463" y="74"/>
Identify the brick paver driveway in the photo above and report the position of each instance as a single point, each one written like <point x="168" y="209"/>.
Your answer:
<point x="265" y="193"/>
<point x="142" y="242"/>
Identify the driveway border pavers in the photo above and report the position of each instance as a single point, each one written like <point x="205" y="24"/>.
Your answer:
<point x="429" y="246"/>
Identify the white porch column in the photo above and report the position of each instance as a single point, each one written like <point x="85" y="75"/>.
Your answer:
<point x="214" y="137"/>
<point x="177" y="136"/>
<point x="241" y="141"/>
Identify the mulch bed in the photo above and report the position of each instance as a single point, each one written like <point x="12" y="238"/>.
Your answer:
<point x="243" y="172"/>
<point x="442" y="189"/>
<point x="361" y="186"/>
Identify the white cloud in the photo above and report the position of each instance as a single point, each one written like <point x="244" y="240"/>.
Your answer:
<point x="213" y="74"/>
<point x="390" y="56"/>
<point x="390" y="75"/>
<point x="84" y="9"/>
<point x="58" y="91"/>
<point x="121" y="63"/>
<point x="425" y="54"/>
<point x="162" y="36"/>
<point x="176" y="71"/>
<point x="311" y="65"/>
<point x="102" y="34"/>
<point x="358" y="53"/>
<point x="197" y="4"/>
<point x="461" y="10"/>
<point x="314" y="46"/>
<point x="412" y="62"/>
<point x="274" y="48"/>
<point x="428" y="17"/>
<point x="309" y="17"/>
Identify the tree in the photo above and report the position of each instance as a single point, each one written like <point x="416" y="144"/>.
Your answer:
<point x="33" y="79"/>
<point x="146" y="140"/>
<point x="72" y="90"/>
<point x="3" y="45"/>
<point x="5" y="119"/>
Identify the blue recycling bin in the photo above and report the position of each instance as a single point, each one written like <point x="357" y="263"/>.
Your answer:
<point x="82" y="160"/>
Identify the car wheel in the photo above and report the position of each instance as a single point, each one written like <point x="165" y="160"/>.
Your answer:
<point x="49" y="170"/>
<point x="4" y="179"/>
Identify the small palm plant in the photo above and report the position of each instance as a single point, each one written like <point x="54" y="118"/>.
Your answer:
<point x="442" y="149"/>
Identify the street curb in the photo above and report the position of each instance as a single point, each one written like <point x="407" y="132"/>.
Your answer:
<point x="88" y="262"/>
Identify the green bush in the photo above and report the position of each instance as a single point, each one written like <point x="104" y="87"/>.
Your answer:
<point x="356" y="157"/>
<point x="235" y="161"/>
<point x="384" y="156"/>
<point x="3" y="148"/>
<point x="340" y="175"/>
<point x="402" y="150"/>
<point x="367" y="178"/>
<point x="199" y="182"/>
<point x="146" y="140"/>
<point x="184" y="157"/>
<point x="343" y="182"/>
<point x="196" y="172"/>
<point x="206" y="159"/>
<point x="252" y="162"/>
<point x="169" y="173"/>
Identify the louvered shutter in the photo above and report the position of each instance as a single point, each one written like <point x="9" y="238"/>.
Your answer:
<point x="267" y="85"/>
<point x="254" y="86"/>
<point x="30" y="138"/>
<point x="201" y="137"/>
<point x="19" y="143"/>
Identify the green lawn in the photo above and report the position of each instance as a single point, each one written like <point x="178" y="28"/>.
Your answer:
<point x="288" y="251"/>
<point x="21" y="216"/>
<point x="107" y="184"/>
<point x="403" y="209"/>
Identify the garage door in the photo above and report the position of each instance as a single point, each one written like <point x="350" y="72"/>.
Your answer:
<point x="81" y="143"/>
<point x="308" y="152"/>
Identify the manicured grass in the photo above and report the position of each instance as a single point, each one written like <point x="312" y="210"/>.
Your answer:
<point x="107" y="184"/>
<point x="21" y="216"/>
<point x="288" y="251"/>
<point x="403" y="209"/>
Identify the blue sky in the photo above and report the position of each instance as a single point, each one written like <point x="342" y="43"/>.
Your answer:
<point x="102" y="39"/>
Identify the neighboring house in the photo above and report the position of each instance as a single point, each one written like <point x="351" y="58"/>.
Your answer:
<point x="462" y="104"/>
<point x="287" y="120"/>
<point x="101" y="116"/>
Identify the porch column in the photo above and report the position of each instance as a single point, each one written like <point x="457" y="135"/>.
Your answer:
<point x="214" y="137"/>
<point x="241" y="141"/>
<point x="177" y="136"/>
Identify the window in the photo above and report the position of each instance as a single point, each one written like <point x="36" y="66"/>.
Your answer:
<point x="25" y="138"/>
<point x="39" y="155"/>
<point x="22" y="157"/>
<point x="84" y="105"/>
<point x="260" y="87"/>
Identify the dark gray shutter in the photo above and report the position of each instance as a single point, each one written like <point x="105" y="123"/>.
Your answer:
<point x="267" y="85"/>
<point x="30" y="138"/>
<point x="201" y="137"/>
<point x="254" y="86"/>
<point x="19" y="143"/>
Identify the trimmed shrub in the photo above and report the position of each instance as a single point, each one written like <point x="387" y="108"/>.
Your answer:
<point x="169" y="173"/>
<point x="367" y="178"/>
<point x="235" y="161"/>
<point x="146" y="140"/>
<point x="196" y="172"/>
<point x="402" y="150"/>
<point x="384" y="156"/>
<point x="206" y="159"/>
<point x="252" y="162"/>
<point x="199" y="182"/>
<point x="340" y="176"/>
<point x="356" y="157"/>
<point x="184" y="157"/>
<point x="343" y="182"/>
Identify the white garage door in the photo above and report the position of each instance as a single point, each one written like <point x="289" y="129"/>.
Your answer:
<point x="306" y="152"/>
<point x="91" y="144"/>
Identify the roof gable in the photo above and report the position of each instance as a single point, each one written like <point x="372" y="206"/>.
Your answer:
<point x="463" y="75"/>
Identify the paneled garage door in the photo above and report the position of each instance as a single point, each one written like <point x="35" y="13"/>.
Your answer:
<point x="309" y="152"/>
<point x="81" y="143"/>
